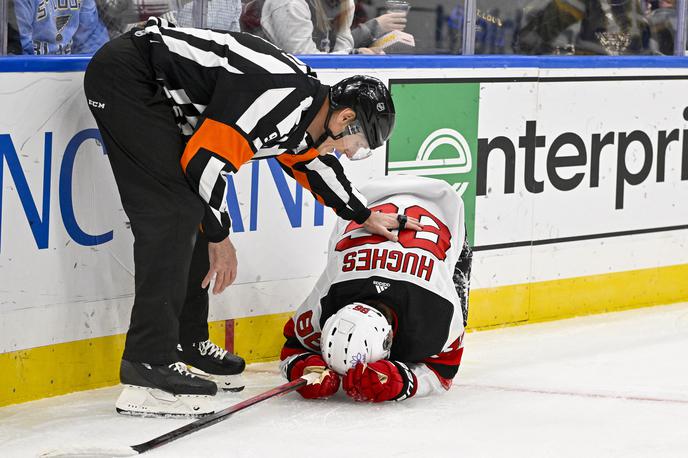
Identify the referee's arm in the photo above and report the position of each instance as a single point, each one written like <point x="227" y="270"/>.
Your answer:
<point x="324" y="176"/>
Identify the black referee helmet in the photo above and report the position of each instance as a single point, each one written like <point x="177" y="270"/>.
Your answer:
<point x="372" y="102"/>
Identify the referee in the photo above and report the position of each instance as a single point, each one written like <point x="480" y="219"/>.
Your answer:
<point x="179" y="109"/>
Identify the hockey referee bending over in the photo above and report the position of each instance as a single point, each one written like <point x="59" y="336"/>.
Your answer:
<point x="178" y="109"/>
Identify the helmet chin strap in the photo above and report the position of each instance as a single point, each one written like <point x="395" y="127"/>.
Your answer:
<point x="327" y="133"/>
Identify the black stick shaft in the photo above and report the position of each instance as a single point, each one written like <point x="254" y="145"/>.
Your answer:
<point x="217" y="417"/>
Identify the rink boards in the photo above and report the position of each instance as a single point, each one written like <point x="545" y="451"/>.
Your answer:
<point x="575" y="182"/>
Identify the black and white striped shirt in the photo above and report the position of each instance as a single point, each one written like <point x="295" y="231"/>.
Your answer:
<point x="237" y="97"/>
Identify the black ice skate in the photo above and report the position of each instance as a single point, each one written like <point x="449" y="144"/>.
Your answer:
<point x="214" y="363"/>
<point x="163" y="391"/>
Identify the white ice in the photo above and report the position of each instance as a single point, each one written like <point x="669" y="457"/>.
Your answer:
<point x="613" y="385"/>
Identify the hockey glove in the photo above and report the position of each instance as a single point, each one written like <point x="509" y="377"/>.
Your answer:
<point x="323" y="388"/>
<point x="380" y="381"/>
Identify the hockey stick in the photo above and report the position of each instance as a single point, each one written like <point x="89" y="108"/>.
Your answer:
<point x="194" y="426"/>
<point x="217" y="417"/>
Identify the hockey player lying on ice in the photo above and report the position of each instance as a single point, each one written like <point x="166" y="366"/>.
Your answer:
<point x="387" y="318"/>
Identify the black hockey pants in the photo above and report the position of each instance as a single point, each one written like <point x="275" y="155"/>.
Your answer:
<point x="144" y="145"/>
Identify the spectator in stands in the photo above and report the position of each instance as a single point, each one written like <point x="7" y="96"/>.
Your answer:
<point x="310" y="26"/>
<point x="223" y="15"/>
<point x="121" y="15"/>
<point x="491" y="30"/>
<point x="367" y="32"/>
<point x="663" y="26"/>
<point x="42" y="27"/>
<point x="250" y="17"/>
<point x="455" y="20"/>
<point x="607" y="27"/>
<point x="363" y="12"/>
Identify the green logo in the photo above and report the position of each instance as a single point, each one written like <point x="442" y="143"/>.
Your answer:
<point x="436" y="135"/>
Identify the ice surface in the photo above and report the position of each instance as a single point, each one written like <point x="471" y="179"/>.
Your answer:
<point x="613" y="385"/>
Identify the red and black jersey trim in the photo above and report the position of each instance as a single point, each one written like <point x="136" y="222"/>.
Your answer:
<point x="446" y="364"/>
<point x="293" y="345"/>
<point x="442" y="369"/>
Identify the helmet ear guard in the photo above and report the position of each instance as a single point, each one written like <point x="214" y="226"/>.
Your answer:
<point x="357" y="333"/>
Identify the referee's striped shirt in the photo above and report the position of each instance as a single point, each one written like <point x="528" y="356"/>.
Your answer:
<point x="237" y="97"/>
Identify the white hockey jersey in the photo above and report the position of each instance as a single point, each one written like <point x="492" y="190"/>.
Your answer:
<point x="413" y="276"/>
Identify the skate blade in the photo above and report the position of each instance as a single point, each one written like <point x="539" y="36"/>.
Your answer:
<point x="232" y="383"/>
<point x="89" y="452"/>
<point x="153" y="403"/>
<point x="171" y="416"/>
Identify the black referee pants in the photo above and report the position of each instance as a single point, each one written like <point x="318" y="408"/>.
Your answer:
<point x="144" y="146"/>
